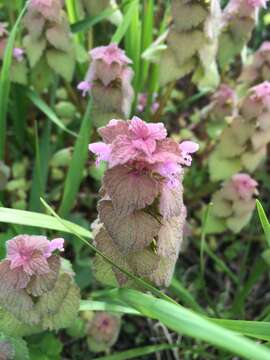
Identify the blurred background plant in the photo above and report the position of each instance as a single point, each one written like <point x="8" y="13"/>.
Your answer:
<point x="200" y="67"/>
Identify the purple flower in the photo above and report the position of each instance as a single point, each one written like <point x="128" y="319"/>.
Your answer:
<point x="84" y="87"/>
<point x="18" y="54"/>
<point x="28" y="256"/>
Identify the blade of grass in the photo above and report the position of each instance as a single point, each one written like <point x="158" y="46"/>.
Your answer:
<point x="184" y="321"/>
<point x="89" y="305"/>
<point x="124" y="25"/>
<point x="46" y="109"/>
<point x="5" y="83"/>
<point x="256" y="329"/>
<point x="138" y="352"/>
<point x="79" y="157"/>
<point x="185" y="296"/>
<point x="29" y="218"/>
<point x="264" y="221"/>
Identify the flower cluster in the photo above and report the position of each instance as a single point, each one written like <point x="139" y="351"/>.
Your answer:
<point x="142" y="103"/>
<point x="102" y="331"/>
<point x="259" y="68"/>
<point x="17" y="52"/>
<point x="48" y="44"/>
<point x="48" y="9"/>
<point x="243" y="143"/>
<point x="234" y="203"/>
<point x="192" y="42"/>
<point x="223" y="103"/>
<point x="109" y="81"/>
<point x="141" y="213"/>
<point x="238" y="20"/>
<point x="30" y="277"/>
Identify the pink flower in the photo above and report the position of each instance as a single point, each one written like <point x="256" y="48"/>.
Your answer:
<point x="141" y="162"/>
<point x="261" y="93"/>
<point x="244" y="185"/>
<point x="257" y="3"/>
<point x="85" y="87"/>
<point x="109" y="64"/>
<point x="144" y="136"/>
<point x="18" y="54"/>
<point x="110" y="54"/>
<point x="30" y="253"/>
<point x="49" y="9"/>
<point x="187" y="148"/>
<point x="223" y="95"/>
<point x="101" y="150"/>
<point x="142" y="102"/>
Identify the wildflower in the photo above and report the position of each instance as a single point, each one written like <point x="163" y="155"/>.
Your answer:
<point x="28" y="256"/>
<point x="145" y="170"/>
<point x="234" y="203"/>
<point x="142" y="102"/>
<point x="49" y="9"/>
<point x="18" y="54"/>
<point x="102" y="331"/>
<point x="109" y="82"/>
<point x="84" y="87"/>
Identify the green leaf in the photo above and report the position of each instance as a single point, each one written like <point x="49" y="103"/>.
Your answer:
<point x="79" y="157"/>
<point x="186" y="322"/>
<point x="41" y="105"/>
<point x="29" y="218"/>
<point x="63" y="63"/>
<point x="34" y="49"/>
<point x="264" y="221"/>
<point x="5" y="82"/>
<point x="138" y="352"/>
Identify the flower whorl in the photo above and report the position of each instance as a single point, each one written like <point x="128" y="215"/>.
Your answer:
<point x="141" y="214"/>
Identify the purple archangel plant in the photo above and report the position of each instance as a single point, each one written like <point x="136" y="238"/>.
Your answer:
<point x="192" y="42"/>
<point x="102" y="331"/>
<point x="258" y="69"/>
<point x="18" y="73"/>
<point x="233" y="204"/>
<point x="109" y="82"/>
<point x="141" y="213"/>
<point x="48" y="43"/>
<point x="243" y="144"/>
<point x="222" y="104"/>
<point x="238" y="20"/>
<point x="35" y="288"/>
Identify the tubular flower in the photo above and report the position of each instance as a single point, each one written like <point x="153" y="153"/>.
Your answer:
<point x="243" y="143"/>
<point x="142" y="207"/>
<point x="238" y="20"/>
<point x="109" y="81"/>
<point x="233" y="205"/>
